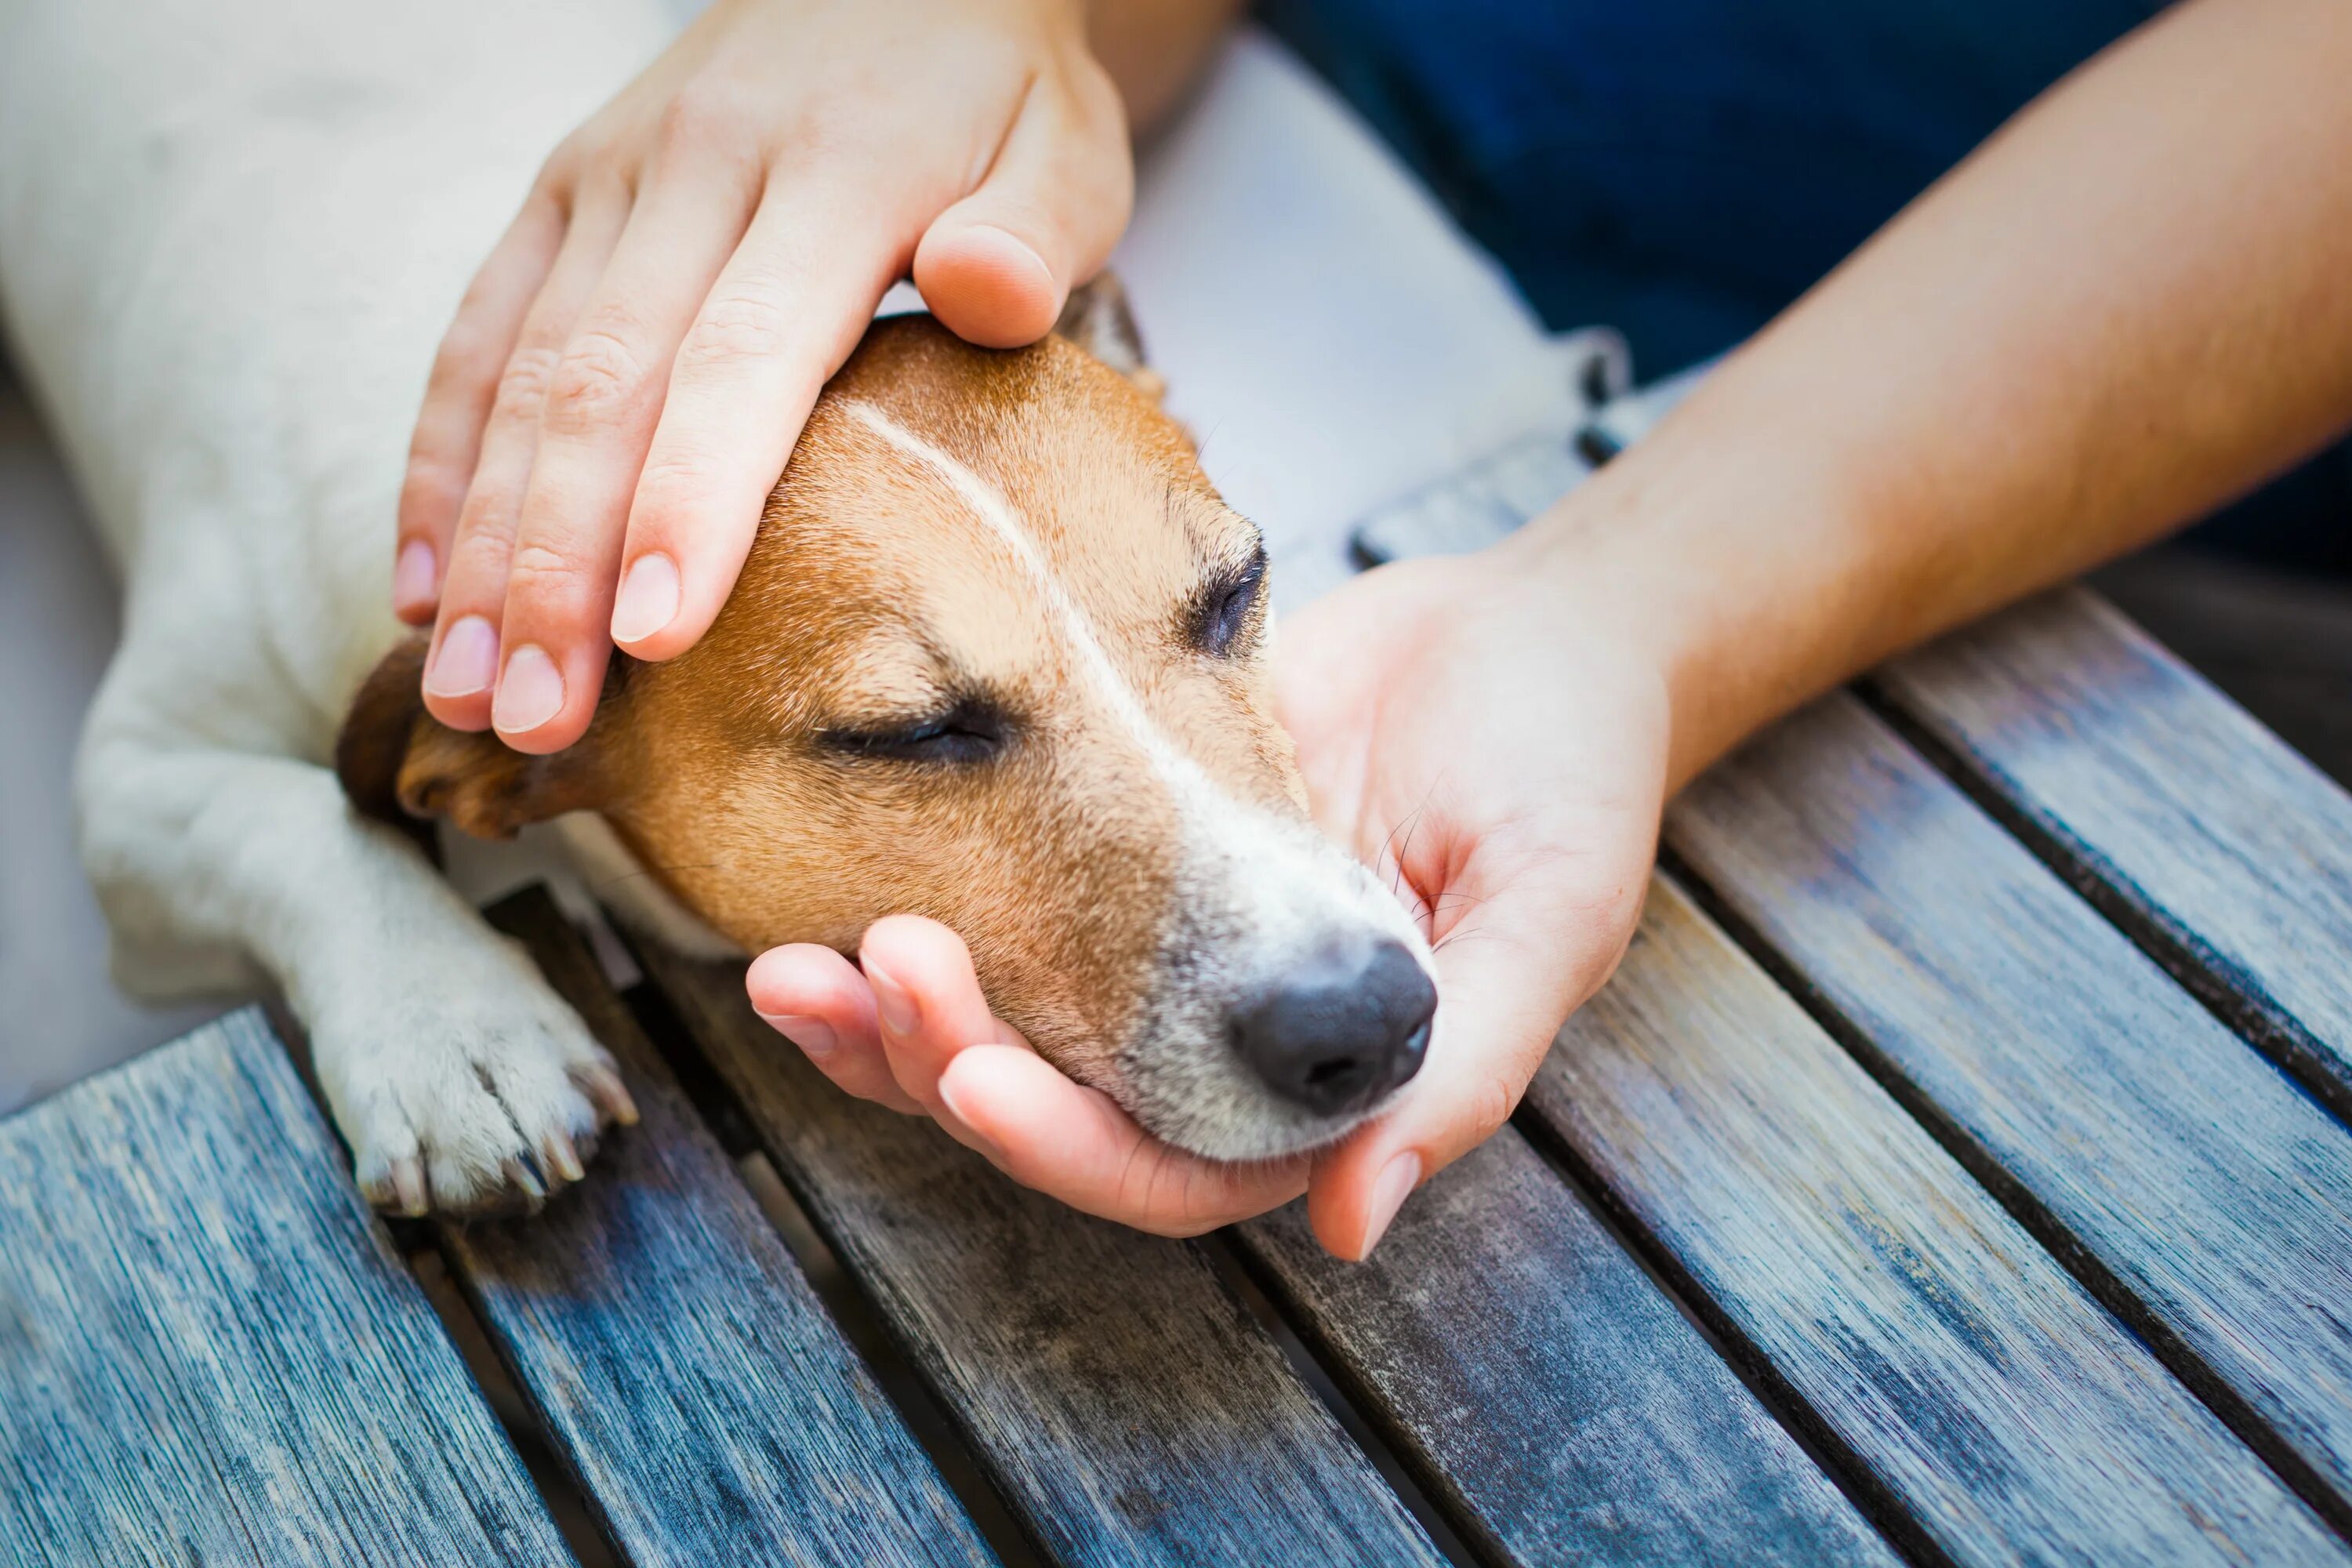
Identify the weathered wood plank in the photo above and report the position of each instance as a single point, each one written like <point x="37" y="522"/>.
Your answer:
<point x="674" y="1353"/>
<point x="1544" y="1392"/>
<point x="1974" y="1387"/>
<point x="2206" y="837"/>
<point x="209" y="1351"/>
<point x="2212" y="1197"/>
<point x="1126" y="1406"/>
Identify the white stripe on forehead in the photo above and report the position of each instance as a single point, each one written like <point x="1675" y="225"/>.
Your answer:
<point x="989" y="504"/>
<point x="1277" y="878"/>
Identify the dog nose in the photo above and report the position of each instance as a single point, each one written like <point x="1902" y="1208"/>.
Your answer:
<point x="1339" y="1032"/>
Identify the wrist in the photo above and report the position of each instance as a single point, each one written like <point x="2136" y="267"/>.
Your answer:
<point x="1744" y="581"/>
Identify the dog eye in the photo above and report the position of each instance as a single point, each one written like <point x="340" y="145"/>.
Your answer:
<point x="1226" y="610"/>
<point x="966" y="733"/>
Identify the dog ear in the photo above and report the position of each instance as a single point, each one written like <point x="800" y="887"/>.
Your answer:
<point x="401" y="765"/>
<point x="1098" y="320"/>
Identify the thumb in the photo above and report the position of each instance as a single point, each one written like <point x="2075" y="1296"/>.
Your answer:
<point x="1505" y="983"/>
<point x="997" y="266"/>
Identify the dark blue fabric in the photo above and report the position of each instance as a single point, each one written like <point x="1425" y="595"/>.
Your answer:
<point x="1684" y="169"/>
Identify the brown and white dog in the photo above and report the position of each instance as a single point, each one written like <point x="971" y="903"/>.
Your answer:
<point x="1000" y="656"/>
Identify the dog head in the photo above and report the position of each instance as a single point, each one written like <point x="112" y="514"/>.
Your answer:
<point x="998" y="655"/>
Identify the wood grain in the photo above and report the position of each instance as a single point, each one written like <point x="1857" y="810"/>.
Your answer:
<point x="1126" y="1406"/>
<point x="675" y="1356"/>
<point x="2213" y="1197"/>
<point x="209" y="1351"/>
<point x="2206" y="837"/>
<point x="1989" y="1406"/>
<point x="1547" y="1394"/>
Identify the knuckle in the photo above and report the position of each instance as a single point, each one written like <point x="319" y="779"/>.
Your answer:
<point x="522" y="385"/>
<point x="476" y="557"/>
<point x="669" y="482"/>
<point x="430" y="483"/>
<point x="600" y="376"/>
<point x="705" y="119"/>
<point x="538" y="570"/>
<point x="732" y="330"/>
<point x="464" y="350"/>
<point x="1491" y="1108"/>
<point x="590" y="147"/>
<point x="485" y="523"/>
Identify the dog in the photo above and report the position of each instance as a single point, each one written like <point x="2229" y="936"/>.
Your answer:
<point x="999" y="655"/>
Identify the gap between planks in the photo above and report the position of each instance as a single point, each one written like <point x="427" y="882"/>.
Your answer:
<point x="2232" y="997"/>
<point x="2055" y="1237"/>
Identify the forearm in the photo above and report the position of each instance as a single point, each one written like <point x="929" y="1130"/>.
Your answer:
<point x="1155" y="48"/>
<point x="2128" y="307"/>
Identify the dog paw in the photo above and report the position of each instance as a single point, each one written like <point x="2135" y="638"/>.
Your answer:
<point x="483" y="1096"/>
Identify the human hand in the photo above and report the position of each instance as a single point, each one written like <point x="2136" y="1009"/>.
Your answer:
<point x="908" y="1027"/>
<point x="1466" y="732"/>
<point x="629" y="371"/>
<point x="1494" y="742"/>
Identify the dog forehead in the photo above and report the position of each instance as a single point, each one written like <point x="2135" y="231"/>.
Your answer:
<point x="1103" y="482"/>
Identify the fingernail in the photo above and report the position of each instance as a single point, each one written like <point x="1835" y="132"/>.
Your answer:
<point x="412" y="576"/>
<point x="530" y="693"/>
<point x="953" y="1101"/>
<point x="1393" y="1185"/>
<point x="890" y="1000"/>
<point x="1020" y="246"/>
<point x="813" y="1035"/>
<point x="648" y="599"/>
<point x="467" y="659"/>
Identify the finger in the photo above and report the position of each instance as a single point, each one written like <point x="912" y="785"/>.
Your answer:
<point x="927" y="1002"/>
<point x="816" y="999"/>
<point x="997" y="266"/>
<point x="784" y="315"/>
<point x="447" y="441"/>
<point x="1504" y="989"/>
<point x="595" y="428"/>
<point x="1075" y="1145"/>
<point x="462" y="666"/>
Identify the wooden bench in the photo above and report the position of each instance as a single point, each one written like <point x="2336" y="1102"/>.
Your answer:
<point x="1956" y="1173"/>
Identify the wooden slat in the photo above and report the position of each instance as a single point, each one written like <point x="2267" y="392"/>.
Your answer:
<point x="1127" y="1408"/>
<point x="209" y="1351"/>
<point x="675" y="1356"/>
<point x="2212" y="1196"/>
<point x="2202" y="833"/>
<point x="1546" y="1394"/>
<point x="1976" y="1388"/>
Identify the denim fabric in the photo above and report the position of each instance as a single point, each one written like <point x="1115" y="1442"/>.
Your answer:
<point x="1684" y="169"/>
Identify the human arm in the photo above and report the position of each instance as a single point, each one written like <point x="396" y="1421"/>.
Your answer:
<point x="2128" y="307"/>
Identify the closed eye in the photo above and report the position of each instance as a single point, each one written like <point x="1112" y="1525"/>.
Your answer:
<point x="962" y="735"/>
<point x="1225" y="607"/>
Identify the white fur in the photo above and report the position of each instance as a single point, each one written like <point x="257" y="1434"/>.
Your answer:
<point x="230" y="236"/>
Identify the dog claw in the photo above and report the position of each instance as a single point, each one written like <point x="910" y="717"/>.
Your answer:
<point x="608" y="1094"/>
<point x="527" y="1186"/>
<point x="408" y="1188"/>
<point x="559" y="1158"/>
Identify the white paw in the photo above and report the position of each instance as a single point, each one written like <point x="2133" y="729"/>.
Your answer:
<point x="472" y="1091"/>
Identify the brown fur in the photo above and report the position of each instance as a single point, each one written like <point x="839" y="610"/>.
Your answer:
<point x="873" y="593"/>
